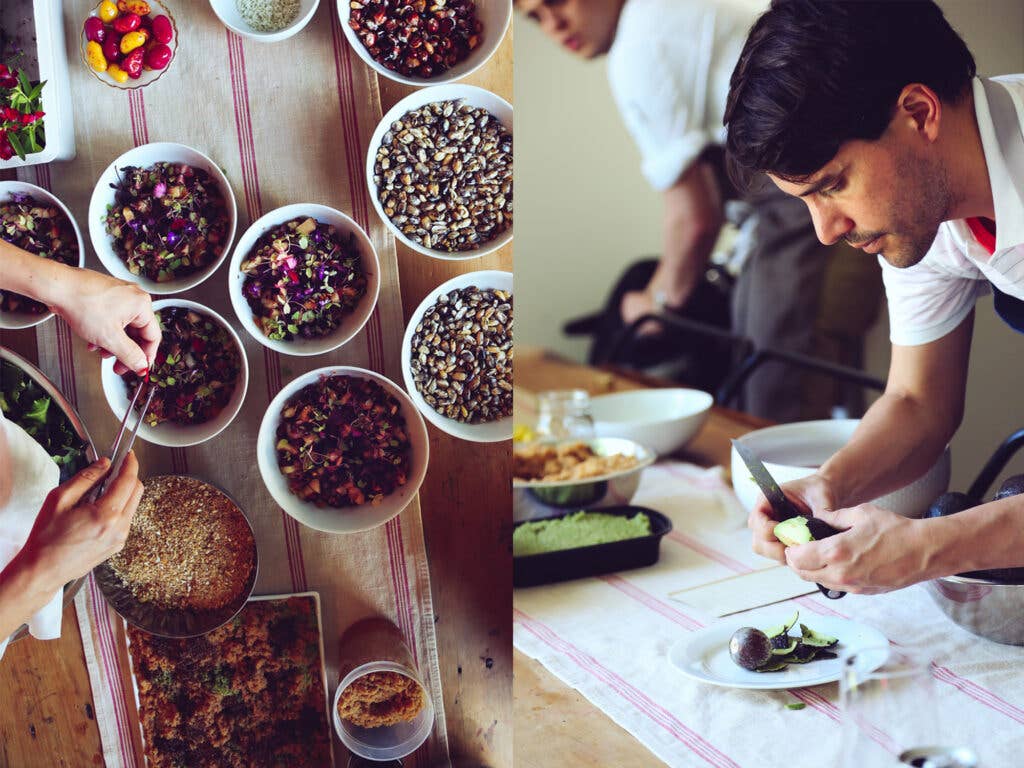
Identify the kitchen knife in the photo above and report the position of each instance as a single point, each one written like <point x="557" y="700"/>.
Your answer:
<point x="782" y="507"/>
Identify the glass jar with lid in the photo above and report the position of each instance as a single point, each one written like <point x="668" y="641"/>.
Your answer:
<point x="564" y="415"/>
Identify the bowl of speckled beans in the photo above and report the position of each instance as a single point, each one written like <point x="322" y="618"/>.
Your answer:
<point x="266" y="21"/>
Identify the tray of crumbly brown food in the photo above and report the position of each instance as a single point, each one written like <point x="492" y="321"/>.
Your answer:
<point x="251" y="693"/>
<point x="189" y="563"/>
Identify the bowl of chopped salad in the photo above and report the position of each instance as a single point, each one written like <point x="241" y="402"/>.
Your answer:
<point x="163" y="216"/>
<point x="304" y="279"/>
<point x="266" y="21"/>
<point x="342" y="449"/>
<point x="34" y="220"/>
<point x="201" y="375"/>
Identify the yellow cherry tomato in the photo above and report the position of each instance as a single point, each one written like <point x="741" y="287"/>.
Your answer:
<point x="134" y="6"/>
<point x="117" y="73"/>
<point x="107" y="11"/>
<point x="133" y="40"/>
<point x="94" y="55"/>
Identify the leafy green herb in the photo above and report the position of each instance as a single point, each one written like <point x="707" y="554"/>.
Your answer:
<point x="795" y="705"/>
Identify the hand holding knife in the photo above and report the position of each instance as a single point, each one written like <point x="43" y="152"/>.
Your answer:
<point x="782" y="507"/>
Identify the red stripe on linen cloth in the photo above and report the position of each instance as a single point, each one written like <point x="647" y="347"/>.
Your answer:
<point x="943" y="674"/>
<point x="250" y="176"/>
<point x="100" y="619"/>
<point x="657" y="714"/>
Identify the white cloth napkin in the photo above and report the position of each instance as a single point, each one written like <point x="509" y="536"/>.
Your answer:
<point x="34" y="475"/>
<point x="609" y="638"/>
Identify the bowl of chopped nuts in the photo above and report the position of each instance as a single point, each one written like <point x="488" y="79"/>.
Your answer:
<point x="342" y="449"/>
<point x="36" y="221"/>
<point x="419" y="43"/>
<point x="162" y="216"/>
<point x="266" y="21"/>
<point x="201" y="376"/>
<point x="457" y="356"/>
<point x="439" y="171"/>
<point x="304" y="279"/>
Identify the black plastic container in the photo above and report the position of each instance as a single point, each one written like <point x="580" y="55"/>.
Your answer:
<point x="549" y="567"/>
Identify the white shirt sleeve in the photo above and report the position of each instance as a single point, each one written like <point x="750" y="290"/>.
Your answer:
<point x="930" y="299"/>
<point x="662" y="94"/>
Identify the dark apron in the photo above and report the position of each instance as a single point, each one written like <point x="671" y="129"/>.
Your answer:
<point x="1011" y="144"/>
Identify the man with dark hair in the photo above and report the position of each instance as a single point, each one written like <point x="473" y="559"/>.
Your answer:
<point x="871" y="113"/>
<point x="668" y="66"/>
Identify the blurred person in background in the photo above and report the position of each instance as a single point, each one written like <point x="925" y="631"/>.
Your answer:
<point x="669" y="64"/>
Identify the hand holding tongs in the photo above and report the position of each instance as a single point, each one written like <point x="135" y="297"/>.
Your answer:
<point x="117" y="456"/>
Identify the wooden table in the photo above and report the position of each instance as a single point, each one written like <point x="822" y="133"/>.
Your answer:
<point x="47" y="717"/>
<point x="555" y="725"/>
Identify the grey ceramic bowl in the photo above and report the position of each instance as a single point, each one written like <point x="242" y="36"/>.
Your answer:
<point x="989" y="609"/>
<point x="616" y="486"/>
<point x="72" y="587"/>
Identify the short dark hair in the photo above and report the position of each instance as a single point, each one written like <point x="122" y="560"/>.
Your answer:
<point x="815" y="74"/>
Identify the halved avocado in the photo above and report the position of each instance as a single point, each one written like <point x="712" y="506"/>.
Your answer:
<point x="782" y="629"/>
<point x="793" y="531"/>
<point x="786" y="649"/>
<point x="816" y="639"/>
<point x="1010" y="487"/>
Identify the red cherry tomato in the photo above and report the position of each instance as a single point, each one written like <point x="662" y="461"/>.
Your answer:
<point x="112" y="47"/>
<point x="127" y="22"/>
<point x="95" y="30"/>
<point x="163" y="32"/>
<point x="158" y="56"/>
<point x="132" y="63"/>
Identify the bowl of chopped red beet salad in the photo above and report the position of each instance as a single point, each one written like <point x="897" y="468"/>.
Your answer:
<point x="304" y="279"/>
<point x="163" y="216"/>
<point x="33" y="219"/>
<point x="200" y="377"/>
<point x="342" y="449"/>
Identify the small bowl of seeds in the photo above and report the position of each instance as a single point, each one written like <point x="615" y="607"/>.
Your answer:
<point x="421" y="42"/>
<point x="457" y="356"/>
<point x="266" y="21"/>
<point x="439" y="171"/>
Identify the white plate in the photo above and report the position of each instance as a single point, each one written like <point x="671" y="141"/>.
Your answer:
<point x="704" y="655"/>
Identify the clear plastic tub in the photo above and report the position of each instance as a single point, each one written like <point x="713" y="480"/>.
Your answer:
<point x="377" y="645"/>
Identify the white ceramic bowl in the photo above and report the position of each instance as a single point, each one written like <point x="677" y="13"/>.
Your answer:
<point x="18" y="320"/>
<point x="488" y="432"/>
<point x="179" y="435"/>
<point x="351" y="325"/>
<point x="148" y="75"/>
<point x="663" y="420"/>
<point x="103" y="195"/>
<point x="495" y="16"/>
<point x="348" y="519"/>
<point x="476" y="97"/>
<point x="792" y="451"/>
<point x="227" y="12"/>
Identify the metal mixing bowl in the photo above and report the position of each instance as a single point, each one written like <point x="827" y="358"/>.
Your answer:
<point x="990" y="609"/>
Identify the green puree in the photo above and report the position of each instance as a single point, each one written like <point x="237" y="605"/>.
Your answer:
<point x="580" y="529"/>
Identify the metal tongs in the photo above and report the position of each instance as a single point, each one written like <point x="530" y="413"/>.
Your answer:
<point x="117" y="456"/>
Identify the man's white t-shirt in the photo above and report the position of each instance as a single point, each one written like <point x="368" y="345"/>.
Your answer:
<point x="932" y="298"/>
<point x="669" y="70"/>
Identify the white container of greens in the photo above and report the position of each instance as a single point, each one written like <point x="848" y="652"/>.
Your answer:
<point x="42" y="19"/>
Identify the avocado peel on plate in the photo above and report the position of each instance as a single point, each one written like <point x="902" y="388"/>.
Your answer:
<point x="774" y="649"/>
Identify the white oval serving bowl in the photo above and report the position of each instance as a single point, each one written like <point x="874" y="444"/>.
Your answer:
<point x="476" y="97"/>
<point x="487" y="432"/>
<point x="792" y="451"/>
<point x="663" y="420"/>
<point x="495" y="15"/>
<point x="145" y="156"/>
<point x="19" y="320"/>
<point x="345" y="519"/>
<point x="180" y="435"/>
<point x="351" y="325"/>
<point x="229" y="15"/>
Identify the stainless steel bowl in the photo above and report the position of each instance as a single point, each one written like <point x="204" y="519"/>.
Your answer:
<point x="989" y="609"/>
<point x="72" y="587"/>
<point x="169" y="622"/>
<point x="611" y="488"/>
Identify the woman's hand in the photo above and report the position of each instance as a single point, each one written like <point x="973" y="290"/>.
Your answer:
<point x="114" y="317"/>
<point x="813" y="495"/>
